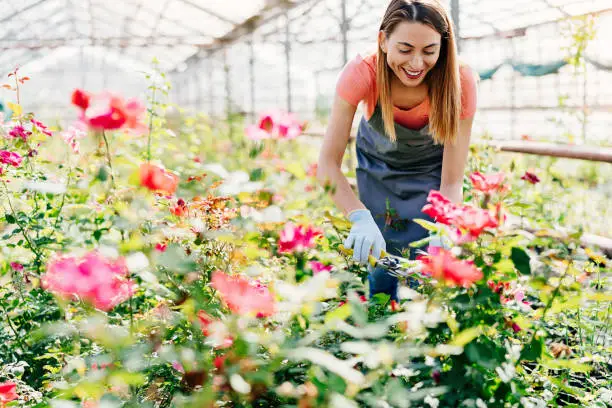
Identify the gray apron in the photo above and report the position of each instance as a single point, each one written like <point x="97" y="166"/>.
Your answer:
<point x="394" y="179"/>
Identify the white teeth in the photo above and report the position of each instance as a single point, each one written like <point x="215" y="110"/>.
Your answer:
<point x="413" y="73"/>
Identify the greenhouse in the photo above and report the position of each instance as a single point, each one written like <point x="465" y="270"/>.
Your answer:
<point x="305" y="203"/>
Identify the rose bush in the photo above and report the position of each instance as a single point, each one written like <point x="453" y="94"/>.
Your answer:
<point x="206" y="272"/>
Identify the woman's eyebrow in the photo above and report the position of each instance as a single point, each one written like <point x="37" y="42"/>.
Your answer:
<point x="412" y="46"/>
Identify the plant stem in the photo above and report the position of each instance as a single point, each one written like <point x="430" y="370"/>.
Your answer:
<point x="10" y="323"/>
<point x="151" y="116"/>
<point x="23" y="231"/>
<point x="108" y="159"/>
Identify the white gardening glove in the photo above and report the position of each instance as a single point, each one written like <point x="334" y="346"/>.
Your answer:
<point x="365" y="237"/>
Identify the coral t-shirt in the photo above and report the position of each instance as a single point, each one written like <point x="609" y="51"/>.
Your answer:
<point x="357" y="82"/>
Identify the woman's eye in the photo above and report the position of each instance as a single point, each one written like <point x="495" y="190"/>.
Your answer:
<point x="405" y="51"/>
<point x="429" y="53"/>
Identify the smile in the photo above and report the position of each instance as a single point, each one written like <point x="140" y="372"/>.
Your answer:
<point x="412" y="74"/>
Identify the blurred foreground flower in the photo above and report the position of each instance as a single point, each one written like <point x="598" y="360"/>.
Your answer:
<point x="156" y="178"/>
<point x="318" y="267"/>
<point x="8" y="393"/>
<point x="10" y="158"/>
<point x="469" y="221"/>
<point x="243" y="296"/>
<point x="19" y="132"/>
<point x="275" y="125"/>
<point x="297" y="238"/>
<point x="107" y="111"/>
<point x="530" y="177"/>
<point x="443" y="266"/>
<point x="215" y="329"/>
<point x="100" y="281"/>
<point x="72" y="135"/>
<point x="489" y="183"/>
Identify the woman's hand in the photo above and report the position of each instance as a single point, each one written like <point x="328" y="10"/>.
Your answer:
<point x="365" y="237"/>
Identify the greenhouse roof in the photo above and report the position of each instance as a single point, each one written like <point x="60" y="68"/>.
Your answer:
<point x="135" y="31"/>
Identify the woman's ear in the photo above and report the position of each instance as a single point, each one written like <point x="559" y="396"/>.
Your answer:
<point x="382" y="41"/>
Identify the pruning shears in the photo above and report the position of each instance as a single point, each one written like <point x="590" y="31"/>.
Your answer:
<point x="395" y="265"/>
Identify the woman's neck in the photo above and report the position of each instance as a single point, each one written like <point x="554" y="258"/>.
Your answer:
<point x="407" y="97"/>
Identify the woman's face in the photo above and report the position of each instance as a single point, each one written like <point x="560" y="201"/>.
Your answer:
<point x="412" y="51"/>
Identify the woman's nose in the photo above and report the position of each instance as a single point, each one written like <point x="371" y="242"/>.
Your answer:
<point x="416" y="63"/>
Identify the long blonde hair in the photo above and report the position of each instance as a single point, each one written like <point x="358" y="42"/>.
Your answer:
<point x="444" y="87"/>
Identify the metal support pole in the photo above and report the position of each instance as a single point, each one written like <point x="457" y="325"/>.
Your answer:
<point x="252" y="78"/>
<point x="196" y="88"/>
<point x="228" y="89"/>
<point x="211" y="86"/>
<point x="513" y="91"/>
<point x="344" y="29"/>
<point x="455" y="17"/>
<point x="200" y="85"/>
<point x="104" y="73"/>
<point x="84" y="67"/>
<point x="229" y="116"/>
<point x="288" y="59"/>
<point x="585" y="101"/>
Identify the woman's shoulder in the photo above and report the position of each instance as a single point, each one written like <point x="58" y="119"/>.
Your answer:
<point x="469" y="90"/>
<point x="364" y="65"/>
<point x="467" y="75"/>
<point x="357" y="79"/>
<point x="370" y="61"/>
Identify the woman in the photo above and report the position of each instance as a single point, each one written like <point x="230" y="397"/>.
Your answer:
<point x="413" y="138"/>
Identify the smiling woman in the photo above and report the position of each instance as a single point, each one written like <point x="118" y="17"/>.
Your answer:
<point x="413" y="139"/>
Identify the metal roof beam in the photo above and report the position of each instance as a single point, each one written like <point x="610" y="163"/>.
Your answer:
<point x="271" y="10"/>
<point x="523" y="28"/>
<point x="159" y="18"/>
<point x="23" y="10"/>
<point x="32" y="23"/>
<point x="565" y="13"/>
<point x="112" y="42"/>
<point x="141" y="5"/>
<point x="207" y="11"/>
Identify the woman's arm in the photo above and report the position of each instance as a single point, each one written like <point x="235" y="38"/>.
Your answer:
<point x="454" y="161"/>
<point x="336" y="139"/>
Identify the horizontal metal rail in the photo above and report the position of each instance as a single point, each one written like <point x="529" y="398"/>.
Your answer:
<point x="591" y="153"/>
<point x="568" y="151"/>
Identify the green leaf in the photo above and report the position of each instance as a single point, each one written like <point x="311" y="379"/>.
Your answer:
<point x="466" y="336"/>
<point x="428" y="225"/>
<point x="505" y="266"/>
<point x="420" y="243"/>
<point x="532" y="351"/>
<point x="336" y="383"/>
<point x="339" y="223"/>
<point x="573" y="365"/>
<point x="340" y="313"/>
<point x="358" y="310"/>
<point x="10" y="219"/>
<point x="485" y="353"/>
<point x="257" y="174"/>
<point x="127" y="378"/>
<point x="297" y="170"/>
<point x="521" y="260"/>
<point x="600" y="297"/>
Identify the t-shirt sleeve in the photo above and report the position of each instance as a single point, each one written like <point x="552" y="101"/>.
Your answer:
<point x="469" y="92"/>
<point x="355" y="81"/>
